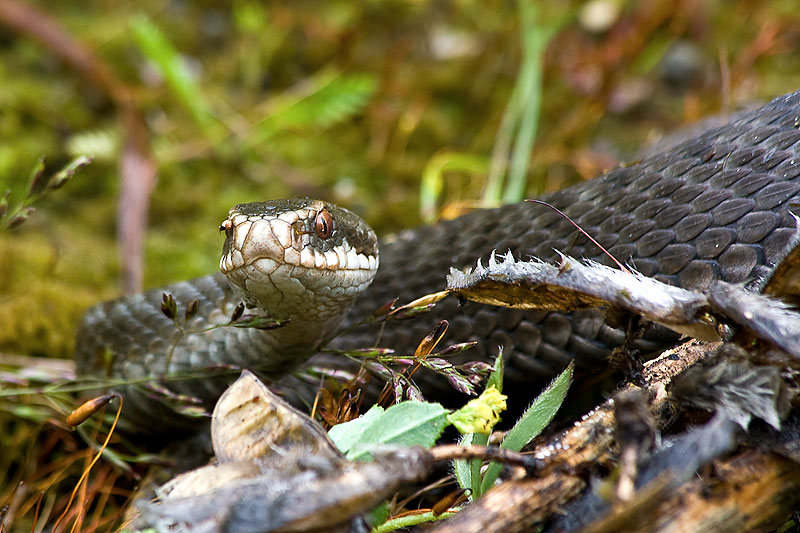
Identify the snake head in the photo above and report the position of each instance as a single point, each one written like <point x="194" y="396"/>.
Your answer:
<point x="298" y="258"/>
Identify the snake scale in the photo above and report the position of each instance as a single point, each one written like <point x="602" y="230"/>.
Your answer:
<point x="713" y="207"/>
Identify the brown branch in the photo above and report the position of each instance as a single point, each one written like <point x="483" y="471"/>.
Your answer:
<point x="516" y="505"/>
<point x="448" y="452"/>
<point x="137" y="166"/>
<point x="753" y="489"/>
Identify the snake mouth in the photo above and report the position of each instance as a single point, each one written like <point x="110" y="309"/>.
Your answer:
<point x="283" y="240"/>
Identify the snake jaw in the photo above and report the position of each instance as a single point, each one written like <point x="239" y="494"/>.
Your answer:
<point x="284" y="231"/>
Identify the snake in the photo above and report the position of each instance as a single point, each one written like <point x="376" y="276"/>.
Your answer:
<point x="714" y="207"/>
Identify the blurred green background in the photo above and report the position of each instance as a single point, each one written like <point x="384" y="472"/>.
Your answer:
<point x="354" y="102"/>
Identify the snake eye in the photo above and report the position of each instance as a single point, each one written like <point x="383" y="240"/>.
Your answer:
<point x="323" y="224"/>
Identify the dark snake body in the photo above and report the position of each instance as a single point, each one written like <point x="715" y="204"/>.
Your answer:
<point x="714" y="207"/>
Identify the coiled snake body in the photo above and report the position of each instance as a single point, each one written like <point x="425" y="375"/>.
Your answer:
<point x="714" y="207"/>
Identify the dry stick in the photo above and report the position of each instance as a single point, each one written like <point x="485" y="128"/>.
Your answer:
<point x="36" y="512"/>
<point x="447" y="452"/>
<point x="90" y="496"/>
<point x="97" y="516"/>
<point x="316" y="398"/>
<point x="137" y="167"/>
<point x="81" y="505"/>
<point x="439" y="483"/>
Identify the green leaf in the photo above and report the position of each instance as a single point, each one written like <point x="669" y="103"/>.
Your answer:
<point x="496" y="378"/>
<point x="379" y="514"/>
<point x="475" y="489"/>
<point x="533" y="421"/>
<point x="159" y="50"/>
<point x="348" y="434"/>
<point x="343" y="98"/>
<point x="325" y="99"/>
<point x="461" y="468"/>
<point x="406" y="423"/>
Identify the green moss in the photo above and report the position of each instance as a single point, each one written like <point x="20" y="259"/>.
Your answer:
<point x="46" y="283"/>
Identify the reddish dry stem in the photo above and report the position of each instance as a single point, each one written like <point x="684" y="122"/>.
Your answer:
<point x="557" y="210"/>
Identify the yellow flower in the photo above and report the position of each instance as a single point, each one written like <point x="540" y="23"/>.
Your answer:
<point x="481" y="414"/>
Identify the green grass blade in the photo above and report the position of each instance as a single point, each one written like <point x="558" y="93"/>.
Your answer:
<point x="461" y="468"/>
<point x="492" y="192"/>
<point x="535" y="40"/>
<point x="409" y="521"/>
<point x="155" y="46"/>
<point x="476" y="485"/>
<point x="533" y="421"/>
<point x="433" y="178"/>
<point x="496" y="378"/>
